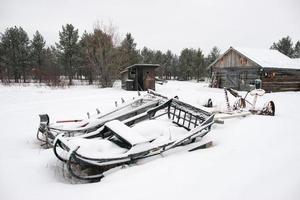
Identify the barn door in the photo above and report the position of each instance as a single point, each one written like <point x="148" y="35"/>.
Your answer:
<point x="233" y="80"/>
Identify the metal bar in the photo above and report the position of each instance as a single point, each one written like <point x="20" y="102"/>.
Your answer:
<point x="184" y="118"/>
<point x="190" y="120"/>
<point x="178" y="117"/>
<point x="174" y="113"/>
<point x="159" y="115"/>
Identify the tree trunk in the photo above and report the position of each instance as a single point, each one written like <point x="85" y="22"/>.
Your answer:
<point x="24" y="73"/>
<point x="40" y="69"/>
<point x="70" y="72"/>
<point x="90" y="76"/>
<point x="16" y="76"/>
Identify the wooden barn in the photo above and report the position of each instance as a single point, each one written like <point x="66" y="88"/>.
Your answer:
<point x="139" y="77"/>
<point x="239" y="68"/>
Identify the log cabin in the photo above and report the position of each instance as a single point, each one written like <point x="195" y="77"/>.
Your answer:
<point x="240" y="68"/>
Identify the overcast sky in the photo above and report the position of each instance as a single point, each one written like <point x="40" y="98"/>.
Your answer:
<point x="163" y="24"/>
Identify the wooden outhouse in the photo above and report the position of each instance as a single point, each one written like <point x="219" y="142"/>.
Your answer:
<point x="240" y="68"/>
<point x="139" y="77"/>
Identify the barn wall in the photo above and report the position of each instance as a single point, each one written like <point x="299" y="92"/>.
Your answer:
<point x="233" y="58"/>
<point x="239" y="77"/>
<point x="236" y="71"/>
<point x="275" y="80"/>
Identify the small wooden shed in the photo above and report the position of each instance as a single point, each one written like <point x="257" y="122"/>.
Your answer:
<point x="239" y="68"/>
<point x="139" y="77"/>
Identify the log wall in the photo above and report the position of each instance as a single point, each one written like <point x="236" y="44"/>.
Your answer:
<point x="237" y="71"/>
<point x="239" y="78"/>
<point x="275" y="80"/>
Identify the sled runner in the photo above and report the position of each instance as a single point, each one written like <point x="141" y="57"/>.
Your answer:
<point x="91" y="127"/>
<point x="153" y="132"/>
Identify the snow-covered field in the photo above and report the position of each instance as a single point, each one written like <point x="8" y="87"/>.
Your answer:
<point x="256" y="157"/>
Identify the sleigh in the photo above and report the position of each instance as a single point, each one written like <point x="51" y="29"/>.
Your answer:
<point x="241" y="106"/>
<point x="153" y="132"/>
<point x="90" y="127"/>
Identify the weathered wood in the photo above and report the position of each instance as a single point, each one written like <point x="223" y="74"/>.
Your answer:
<point x="139" y="77"/>
<point x="236" y="71"/>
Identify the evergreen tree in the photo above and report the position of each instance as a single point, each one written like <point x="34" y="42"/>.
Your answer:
<point x="297" y="50"/>
<point x="175" y="66"/>
<point x="186" y="64"/>
<point x="15" y="42"/>
<point x="68" y="46"/>
<point x="213" y="55"/>
<point x="51" y="67"/>
<point x="285" y="46"/>
<point x="199" y="64"/>
<point x="2" y="66"/>
<point x="168" y="58"/>
<point x="85" y="48"/>
<point x="129" y="53"/>
<point x="147" y="56"/>
<point x="159" y="59"/>
<point x="38" y="53"/>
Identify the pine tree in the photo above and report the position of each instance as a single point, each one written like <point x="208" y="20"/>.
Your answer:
<point x="199" y="64"/>
<point x="86" y="46"/>
<point x="2" y="65"/>
<point x="186" y="64"/>
<point x="129" y="53"/>
<point x="38" y="53"/>
<point x="68" y="45"/>
<point x="213" y="55"/>
<point x="168" y="58"/>
<point x="297" y="50"/>
<point x="15" y="41"/>
<point x="159" y="59"/>
<point x="147" y="56"/>
<point x="285" y="46"/>
<point x="175" y="66"/>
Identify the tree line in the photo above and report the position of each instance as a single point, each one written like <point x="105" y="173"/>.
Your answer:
<point x="96" y="57"/>
<point x="285" y="46"/>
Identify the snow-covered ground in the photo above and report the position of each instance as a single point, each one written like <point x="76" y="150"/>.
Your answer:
<point x="256" y="157"/>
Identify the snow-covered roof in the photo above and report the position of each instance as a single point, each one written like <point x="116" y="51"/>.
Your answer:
<point x="140" y="65"/>
<point x="268" y="58"/>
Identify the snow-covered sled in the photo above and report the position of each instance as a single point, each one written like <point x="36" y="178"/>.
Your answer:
<point x="153" y="132"/>
<point x="90" y="127"/>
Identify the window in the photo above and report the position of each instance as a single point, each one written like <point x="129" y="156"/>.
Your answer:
<point x="243" y="61"/>
<point x="132" y="73"/>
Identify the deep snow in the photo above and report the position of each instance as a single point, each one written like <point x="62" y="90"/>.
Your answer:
<point x="256" y="157"/>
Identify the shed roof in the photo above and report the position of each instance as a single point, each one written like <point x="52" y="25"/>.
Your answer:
<point x="140" y="65"/>
<point x="266" y="58"/>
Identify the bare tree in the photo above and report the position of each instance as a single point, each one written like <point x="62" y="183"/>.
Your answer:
<point x="102" y="55"/>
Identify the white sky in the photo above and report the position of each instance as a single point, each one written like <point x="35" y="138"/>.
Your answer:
<point x="164" y="24"/>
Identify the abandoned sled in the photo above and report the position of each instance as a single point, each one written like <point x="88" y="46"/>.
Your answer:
<point x="153" y="132"/>
<point x="90" y="127"/>
<point x="242" y="106"/>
